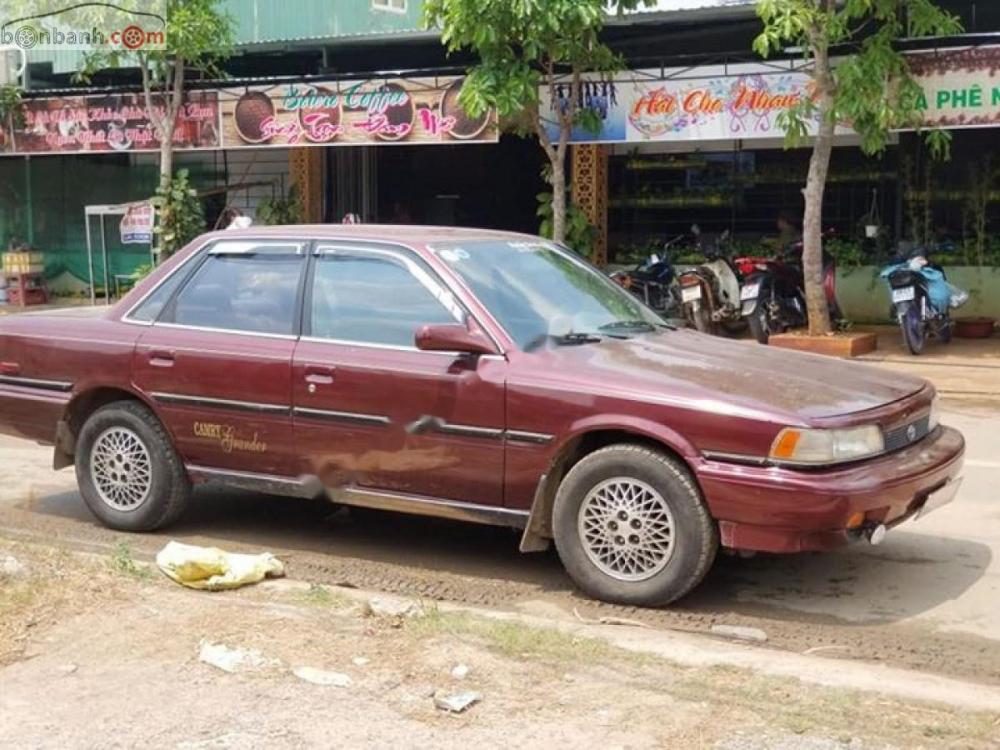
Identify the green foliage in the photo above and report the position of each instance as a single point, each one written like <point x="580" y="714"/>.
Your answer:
<point x="580" y="233"/>
<point x="142" y="271"/>
<point x="11" y="106"/>
<point x="984" y="179"/>
<point x="285" y="209"/>
<point x="849" y="254"/>
<point x="124" y="563"/>
<point x="873" y="90"/>
<point x="198" y="32"/>
<point x="181" y="215"/>
<point x="198" y="36"/>
<point x="522" y="45"/>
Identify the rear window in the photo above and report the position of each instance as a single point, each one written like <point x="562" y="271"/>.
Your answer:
<point x="153" y="305"/>
<point x="242" y="287"/>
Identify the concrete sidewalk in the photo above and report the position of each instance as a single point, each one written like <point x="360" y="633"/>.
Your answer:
<point x="962" y="368"/>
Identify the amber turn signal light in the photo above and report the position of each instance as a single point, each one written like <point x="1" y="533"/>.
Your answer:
<point x="784" y="446"/>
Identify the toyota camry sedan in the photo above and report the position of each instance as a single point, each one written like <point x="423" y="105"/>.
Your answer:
<point x="483" y="376"/>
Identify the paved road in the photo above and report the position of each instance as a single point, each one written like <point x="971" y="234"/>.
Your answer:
<point x="926" y="598"/>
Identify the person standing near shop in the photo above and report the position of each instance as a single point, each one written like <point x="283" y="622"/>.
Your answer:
<point x="788" y="230"/>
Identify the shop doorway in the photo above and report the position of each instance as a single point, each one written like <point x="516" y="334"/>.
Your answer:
<point x="492" y="186"/>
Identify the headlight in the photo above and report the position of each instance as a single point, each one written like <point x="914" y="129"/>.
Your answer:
<point x="934" y="418"/>
<point x="802" y="446"/>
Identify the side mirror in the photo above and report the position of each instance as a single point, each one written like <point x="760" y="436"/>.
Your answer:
<point x="452" y="337"/>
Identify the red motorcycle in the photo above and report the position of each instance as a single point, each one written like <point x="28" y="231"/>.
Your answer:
<point x="772" y="297"/>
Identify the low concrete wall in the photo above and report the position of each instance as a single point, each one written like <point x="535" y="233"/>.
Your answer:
<point x="864" y="297"/>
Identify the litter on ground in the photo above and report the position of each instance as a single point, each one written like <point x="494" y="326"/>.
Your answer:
<point x="213" y="569"/>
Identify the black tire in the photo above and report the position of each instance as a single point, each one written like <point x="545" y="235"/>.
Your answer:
<point x="944" y="331"/>
<point x="734" y="327"/>
<point x="701" y="319"/>
<point x="695" y="536"/>
<point x="168" y="487"/>
<point x="759" y="322"/>
<point x="913" y="329"/>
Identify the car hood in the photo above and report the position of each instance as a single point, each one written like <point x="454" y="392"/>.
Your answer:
<point x="737" y="376"/>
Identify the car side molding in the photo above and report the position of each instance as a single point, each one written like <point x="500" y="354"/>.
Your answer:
<point x="310" y="486"/>
<point x="457" y="510"/>
<point x="306" y="486"/>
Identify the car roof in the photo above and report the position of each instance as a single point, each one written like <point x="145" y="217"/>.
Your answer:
<point x="403" y="233"/>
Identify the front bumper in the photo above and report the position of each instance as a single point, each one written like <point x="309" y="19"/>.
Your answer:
<point x="773" y="509"/>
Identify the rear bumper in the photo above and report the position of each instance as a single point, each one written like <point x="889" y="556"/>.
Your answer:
<point x="772" y="509"/>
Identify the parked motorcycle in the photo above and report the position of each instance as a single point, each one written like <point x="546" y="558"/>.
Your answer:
<point x="710" y="293"/>
<point x="921" y="299"/>
<point x="652" y="281"/>
<point x="772" y="296"/>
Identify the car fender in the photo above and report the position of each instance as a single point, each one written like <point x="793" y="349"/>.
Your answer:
<point x="65" y="440"/>
<point x="538" y="529"/>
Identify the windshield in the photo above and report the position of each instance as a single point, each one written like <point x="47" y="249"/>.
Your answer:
<point x="537" y="290"/>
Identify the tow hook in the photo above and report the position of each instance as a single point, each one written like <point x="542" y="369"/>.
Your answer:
<point x="876" y="534"/>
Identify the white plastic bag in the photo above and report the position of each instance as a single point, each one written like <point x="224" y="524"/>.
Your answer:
<point x="958" y="297"/>
<point x="213" y="569"/>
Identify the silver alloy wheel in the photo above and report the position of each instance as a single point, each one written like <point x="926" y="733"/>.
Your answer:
<point x="121" y="469"/>
<point x="626" y="528"/>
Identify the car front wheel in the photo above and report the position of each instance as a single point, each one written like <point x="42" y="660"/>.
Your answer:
<point x="630" y="526"/>
<point x="129" y="474"/>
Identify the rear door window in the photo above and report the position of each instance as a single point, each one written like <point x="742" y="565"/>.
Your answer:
<point x="243" y="286"/>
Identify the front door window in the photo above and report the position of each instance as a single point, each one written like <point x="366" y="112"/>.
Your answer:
<point x="375" y="298"/>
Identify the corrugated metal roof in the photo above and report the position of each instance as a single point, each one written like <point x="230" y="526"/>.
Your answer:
<point x="297" y="22"/>
<point x="263" y="22"/>
<point x="269" y="21"/>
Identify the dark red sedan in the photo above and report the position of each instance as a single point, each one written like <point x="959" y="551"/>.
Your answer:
<point x="478" y="375"/>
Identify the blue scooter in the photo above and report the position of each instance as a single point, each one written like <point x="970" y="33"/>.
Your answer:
<point x="921" y="299"/>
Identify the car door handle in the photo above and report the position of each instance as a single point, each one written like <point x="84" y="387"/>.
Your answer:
<point x="160" y="358"/>
<point x="319" y="374"/>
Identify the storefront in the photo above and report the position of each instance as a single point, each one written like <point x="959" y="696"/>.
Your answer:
<point x="704" y="145"/>
<point x="386" y="149"/>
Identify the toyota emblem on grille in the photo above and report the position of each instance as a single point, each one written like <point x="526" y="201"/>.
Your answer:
<point x="911" y="433"/>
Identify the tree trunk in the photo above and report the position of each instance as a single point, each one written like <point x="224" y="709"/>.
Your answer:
<point x="559" y="200"/>
<point x="812" y="222"/>
<point x="173" y="98"/>
<point x="167" y="158"/>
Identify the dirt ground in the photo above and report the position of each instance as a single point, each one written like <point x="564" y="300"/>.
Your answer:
<point x="99" y="651"/>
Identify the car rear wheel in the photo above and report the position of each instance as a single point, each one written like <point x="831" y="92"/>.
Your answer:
<point x="630" y="526"/>
<point x="129" y="474"/>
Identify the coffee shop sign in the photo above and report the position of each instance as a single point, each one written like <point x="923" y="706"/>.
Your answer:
<point x="973" y="97"/>
<point x="354" y="97"/>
